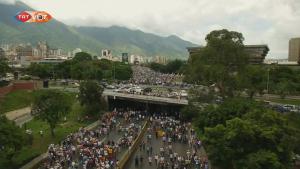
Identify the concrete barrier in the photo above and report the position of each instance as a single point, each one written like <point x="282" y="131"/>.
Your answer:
<point x="132" y="149"/>
<point x="39" y="159"/>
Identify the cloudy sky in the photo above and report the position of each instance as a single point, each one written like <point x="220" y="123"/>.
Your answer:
<point x="271" y="22"/>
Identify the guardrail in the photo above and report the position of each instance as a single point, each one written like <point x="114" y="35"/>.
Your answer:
<point x="146" y="98"/>
<point x="132" y="149"/>
<point x="39" y="159"/>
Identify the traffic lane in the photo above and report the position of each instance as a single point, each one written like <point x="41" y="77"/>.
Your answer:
<point x="156" y="144"/>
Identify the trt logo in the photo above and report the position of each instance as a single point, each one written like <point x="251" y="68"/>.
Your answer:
<point x="33" y="16"/>
<point x="23" y="16"/>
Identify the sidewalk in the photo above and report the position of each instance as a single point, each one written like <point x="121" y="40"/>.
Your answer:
<point x="15" y="114"/>
<point x="20" y="116"/>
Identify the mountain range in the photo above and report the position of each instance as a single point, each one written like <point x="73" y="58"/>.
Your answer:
<point x="90" y="39"/>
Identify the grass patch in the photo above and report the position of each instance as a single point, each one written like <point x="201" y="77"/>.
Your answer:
<point x="40" y="143"/>
<point x="16" y="100"/>
<point x="286" y="101"/>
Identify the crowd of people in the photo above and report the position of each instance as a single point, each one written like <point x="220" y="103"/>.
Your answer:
<point x="178" y="146"/>
<point x="145" y="75"/>
<point x="171" y="133"/>
<point x="87" y="149"/>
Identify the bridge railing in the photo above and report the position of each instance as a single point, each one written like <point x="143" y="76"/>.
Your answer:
<point x="122" y="163"/>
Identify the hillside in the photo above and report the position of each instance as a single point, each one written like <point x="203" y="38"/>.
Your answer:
<point x="91" y="39"/>
<point x="136" y="41"/>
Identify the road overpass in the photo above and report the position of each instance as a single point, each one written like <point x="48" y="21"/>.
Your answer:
<point x="144" y="98"/>
<point x="110" y="94"/>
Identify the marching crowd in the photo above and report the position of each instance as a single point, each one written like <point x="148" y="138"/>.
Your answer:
<point x="92" y="149"/>
<point x="88" y="150"/>
<point x="145" y="75"/>
<point x="170" y="132"/>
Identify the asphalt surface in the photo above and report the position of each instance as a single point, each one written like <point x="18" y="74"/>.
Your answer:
<point x="156" y="144"/>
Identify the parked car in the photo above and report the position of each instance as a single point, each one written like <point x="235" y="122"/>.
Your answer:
<point x="183" y="93"/>
<point x="173" y="94"/>
<point x="110" y="87"/>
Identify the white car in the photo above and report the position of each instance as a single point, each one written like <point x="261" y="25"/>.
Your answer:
<point x="183" y="93"/>
<point x="173" y="94"/>
<point x="110" y="87"/>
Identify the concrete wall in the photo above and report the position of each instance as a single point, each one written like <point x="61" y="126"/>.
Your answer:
<point x="18" y="85"/>
<point x="5" y="90"/>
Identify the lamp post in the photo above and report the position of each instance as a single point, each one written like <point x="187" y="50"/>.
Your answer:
<point x="114" y="71"/>
<point x="268" y="81"/>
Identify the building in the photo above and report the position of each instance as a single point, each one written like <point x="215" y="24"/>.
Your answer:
<point x="160" y="60"/>
<point x="279" y="62"/>
<point x="106" y="54"/>
<point x="294" y="50"/>
<point x="54" y="53"/>
<point x="257" y="53"/>
<point x="125" y="57"/>
<point x="24" y="50"/>
<point x="136" y="59"/>
<point x="43" y="49"/>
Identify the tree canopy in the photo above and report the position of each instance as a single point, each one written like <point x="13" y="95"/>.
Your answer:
<point x="82" y="56"/>
<point x="3" y="67"/>
<point x="83" y="67"/>
<point x="90" y="97"/>
<point x="219" y="62"/>
<point x="51" y="106"/>
<point x="12" y="139"/>
<point x="174" y="66"/>
<point x="259" y="139"/>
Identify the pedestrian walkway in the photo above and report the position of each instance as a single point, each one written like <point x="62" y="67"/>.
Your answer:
<point x="15" y="114"/>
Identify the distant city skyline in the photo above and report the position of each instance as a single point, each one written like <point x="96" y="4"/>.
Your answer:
<point x="272" y="22"/>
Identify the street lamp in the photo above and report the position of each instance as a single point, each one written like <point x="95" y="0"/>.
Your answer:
<point x="268" y="81"/>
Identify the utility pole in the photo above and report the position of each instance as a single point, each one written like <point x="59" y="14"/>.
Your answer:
<point x="268" y="80"/>
<point x="114" y="71"/>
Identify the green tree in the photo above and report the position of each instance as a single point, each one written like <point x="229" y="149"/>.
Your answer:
<point x="63" y="70"/>
<point x="122" y="71"/>
<point x="40" y="70"/>
<point x="157" y="67"/>
<point x="219" y="62"/>
<point x="86" y="70"/>
<point x="51" y="106"/>
<point x="284" y="88"/>
<point x="174" y="66"/>
<point x="82" y="56"/>
<point x="3" y="67"/>
<point x="12" y="139"/>
<point x="90" y="97"/>
<point x="259" y="139"/>
<point x="253" y="79"/>
<point x="211" y="116"/>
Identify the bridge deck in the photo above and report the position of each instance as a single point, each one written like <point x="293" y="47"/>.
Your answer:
<point x="145" y="98"/>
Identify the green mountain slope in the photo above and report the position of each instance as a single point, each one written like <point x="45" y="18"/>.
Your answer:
<point x="91" y="39"/>
<point x="136" y="41"/>
<point x="54" y="32"/>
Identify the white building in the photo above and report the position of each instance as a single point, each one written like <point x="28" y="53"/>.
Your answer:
<point x="280" y="62"/>
<point x="136" y="59"/>
<point x="106" y="54"/>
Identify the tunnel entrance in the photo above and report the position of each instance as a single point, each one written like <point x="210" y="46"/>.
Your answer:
<point x="150" y="107"/>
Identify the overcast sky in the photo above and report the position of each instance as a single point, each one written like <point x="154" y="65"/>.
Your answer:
<point x="271" y="22"/>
